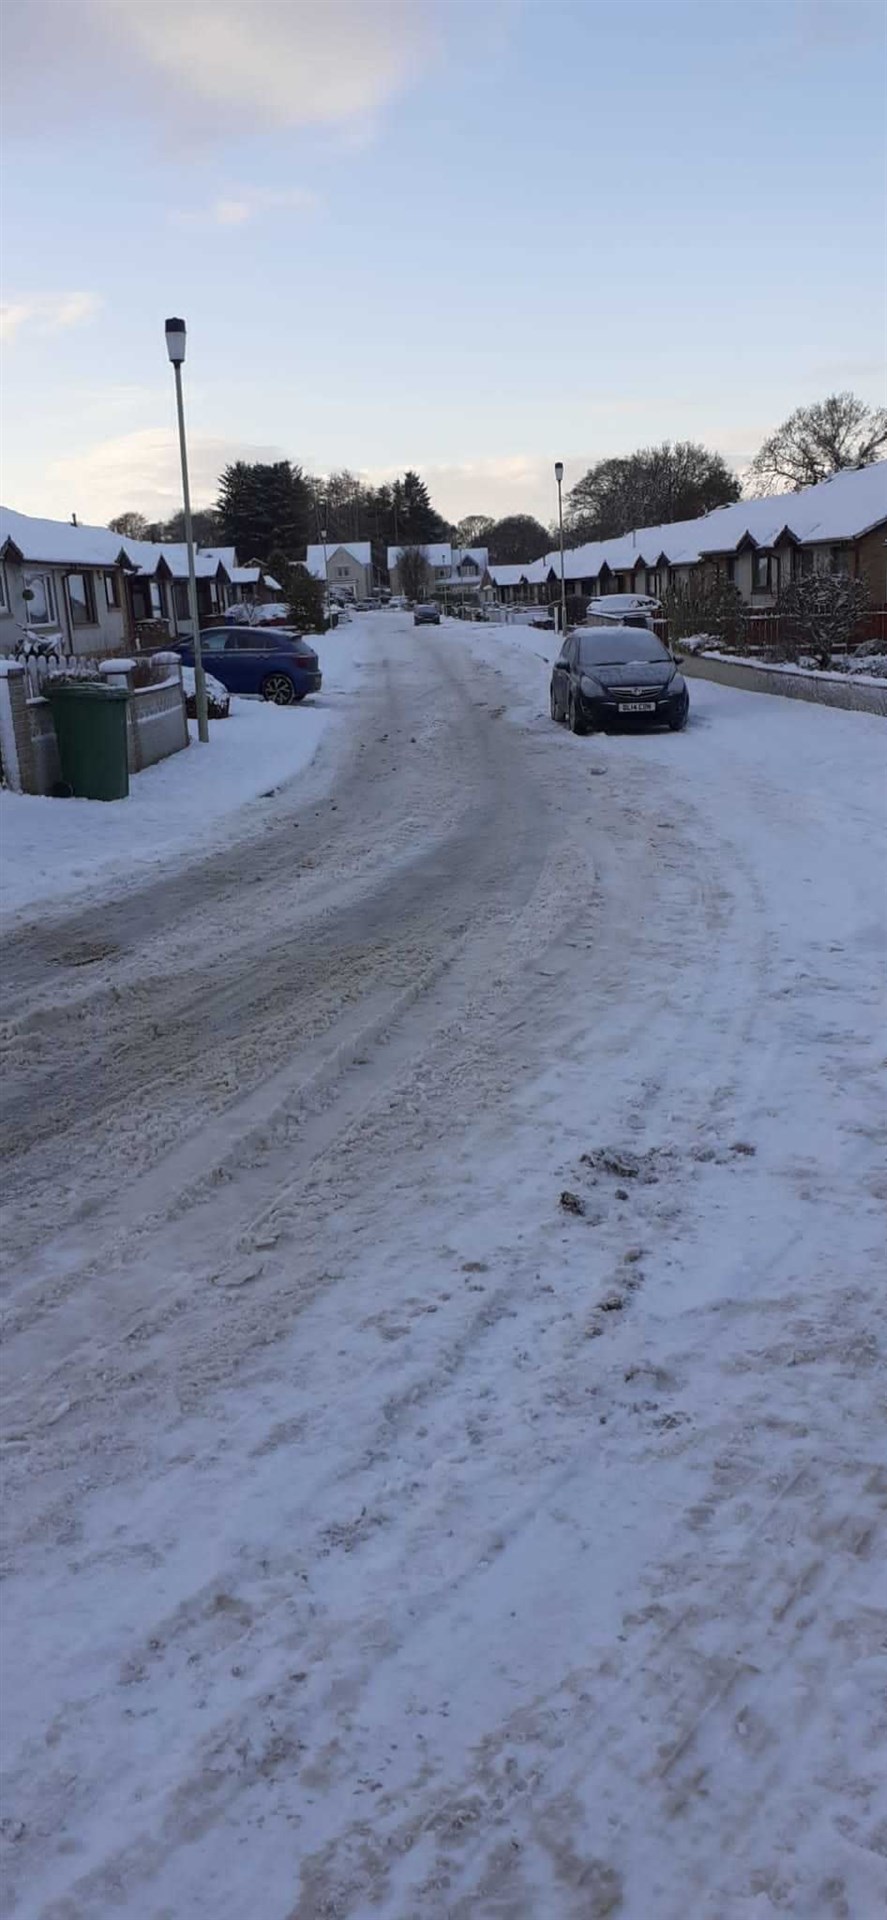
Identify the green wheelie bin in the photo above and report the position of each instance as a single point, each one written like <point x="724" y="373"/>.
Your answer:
<point x="90" y="726"/>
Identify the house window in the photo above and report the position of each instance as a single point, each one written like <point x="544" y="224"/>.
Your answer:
<point x="654" y="583"/>
<point x="342" y="573"/>
<point x="40" y="607"/>
<point x="112" y="590"/>
<point x="839" y="560"/>
<point x="731" y="569"/>
<point x="4" y="591"/>
<point x="81" y="599"/>
<point x="180" y="594"/>
<point x="157" y="607"/>
<point x="764" y="567"/>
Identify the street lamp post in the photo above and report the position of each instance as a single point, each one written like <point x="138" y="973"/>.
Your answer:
<point x="175" y="347"/>
<point x="559" y="476"/>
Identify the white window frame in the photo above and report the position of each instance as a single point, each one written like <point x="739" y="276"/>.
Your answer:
<point x="112" y="592"/>
<point x="36" y="573"/>
<point x="4" y="591"/>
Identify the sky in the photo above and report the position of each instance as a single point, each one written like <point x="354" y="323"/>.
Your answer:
<point x="468" y="236"/>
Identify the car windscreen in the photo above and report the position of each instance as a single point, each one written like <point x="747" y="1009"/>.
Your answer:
<point x="600" y="649"/>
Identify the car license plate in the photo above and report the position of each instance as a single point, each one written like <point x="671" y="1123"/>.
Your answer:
<point x="637" y="706"/>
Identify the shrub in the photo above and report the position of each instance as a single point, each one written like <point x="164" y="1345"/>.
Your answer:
<point x="819" y="613"/>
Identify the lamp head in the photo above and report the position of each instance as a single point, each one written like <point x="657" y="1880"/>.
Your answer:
<point x="558" y="471"/>
<point x="175" y="341"/>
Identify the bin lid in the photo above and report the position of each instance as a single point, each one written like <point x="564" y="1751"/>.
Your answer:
<point x="84" y="690"/>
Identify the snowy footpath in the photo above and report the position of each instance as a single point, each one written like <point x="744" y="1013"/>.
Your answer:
<point x="443" y="1412"/>
<point x="52" y="850"/>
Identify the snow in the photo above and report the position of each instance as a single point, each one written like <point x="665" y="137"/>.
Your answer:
<point x="385" y="1537"/>
<point x="319" y="557"/>
<point x="52" y="851"/>
<point x="58" y="542"/>
<point x="860" y="669"/>
<point x="839" y="509"/>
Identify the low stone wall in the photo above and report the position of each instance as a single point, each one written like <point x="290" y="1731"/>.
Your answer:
<point x="160" y="722"/>
<point x="43" y="769"/>
<point x="157" y="723"/>
<point x="853" y="692"/>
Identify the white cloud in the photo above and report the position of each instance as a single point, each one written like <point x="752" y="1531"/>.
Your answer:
<point x="142" y="470"/>
<point x="209" y="68"/>
<point x="47" y="313"/>
<point x="235" y="209"/>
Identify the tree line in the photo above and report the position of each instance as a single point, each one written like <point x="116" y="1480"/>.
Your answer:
<point x="274" y="509"/>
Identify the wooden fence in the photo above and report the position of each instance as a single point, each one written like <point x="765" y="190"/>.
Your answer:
<point x="765" y="633"/>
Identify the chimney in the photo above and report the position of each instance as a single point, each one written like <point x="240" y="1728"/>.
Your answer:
<point x="73" y="519"/>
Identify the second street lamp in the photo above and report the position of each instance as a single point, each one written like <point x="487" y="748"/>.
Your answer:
<point x="559" y="476"/>
<point x="175" y="347"/>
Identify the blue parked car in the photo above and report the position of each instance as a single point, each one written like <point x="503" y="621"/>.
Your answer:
<point x="273" y="661"/>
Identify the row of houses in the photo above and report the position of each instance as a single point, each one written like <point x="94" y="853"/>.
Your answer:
<point x="348" y="569"/>
<point x="759" y="545"/>
<point x="838" y="526"/>
<point x="101" y="592"/>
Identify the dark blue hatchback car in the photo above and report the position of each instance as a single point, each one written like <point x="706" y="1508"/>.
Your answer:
<point x="273" y="661"/>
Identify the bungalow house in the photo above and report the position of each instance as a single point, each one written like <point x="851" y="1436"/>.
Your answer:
<point x="345" y="565"/>
<point x="456" y="573"/>
<point x="508" y="584"/>
<point x="57" y="578"/>
<point x="99" y="591"/>
<point x="838" y="525"/>
<point x="158" y="590"/>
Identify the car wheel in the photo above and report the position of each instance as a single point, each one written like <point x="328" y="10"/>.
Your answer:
<point x="279" y="688"/>
<point x="553" y="708"/>
<point x="577" y="724"/>
<point x="678" y="725"/>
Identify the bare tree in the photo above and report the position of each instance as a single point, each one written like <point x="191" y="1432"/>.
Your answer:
<point x="473" y="531"/>
<point x="414" y="573"/>
<point x="822" y="612"/>
<point x="132" y="525"/>
<point x="674" y="481"/>
<point x="817" y="441"/>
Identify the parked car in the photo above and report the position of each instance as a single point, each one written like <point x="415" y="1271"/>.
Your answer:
<point x="610" y="676"/>
<point x="426" y="615"/>
<point x="273" y="661"/>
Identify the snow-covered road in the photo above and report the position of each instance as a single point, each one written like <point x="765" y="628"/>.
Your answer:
<point x="385" y="1537"/>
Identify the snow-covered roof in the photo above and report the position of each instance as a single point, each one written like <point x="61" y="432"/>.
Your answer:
<point x="614" y="605"/>
<point x="507" y="576"/>
<point x="147" y="555"/>
<point x="437" y="553"/>
<point x="480" y="556"/>
<point x="537" y="571"/>
<point x="359" y="550"/>
<point x="253" y="577"/>
<point x="842" y="508"/>
<point x="58" y="542"/>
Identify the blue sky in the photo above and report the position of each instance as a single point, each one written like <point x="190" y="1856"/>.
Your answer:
<point x="464" y="235"/>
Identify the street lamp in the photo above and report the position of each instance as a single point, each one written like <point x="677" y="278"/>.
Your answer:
<point x="175" y="347"/>
<point x="559" y="476"/>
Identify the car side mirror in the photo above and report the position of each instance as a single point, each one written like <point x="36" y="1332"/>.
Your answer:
<point x="678" y="659"/>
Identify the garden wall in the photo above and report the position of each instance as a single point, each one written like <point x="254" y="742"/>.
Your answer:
<point x="851" y="691"/>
